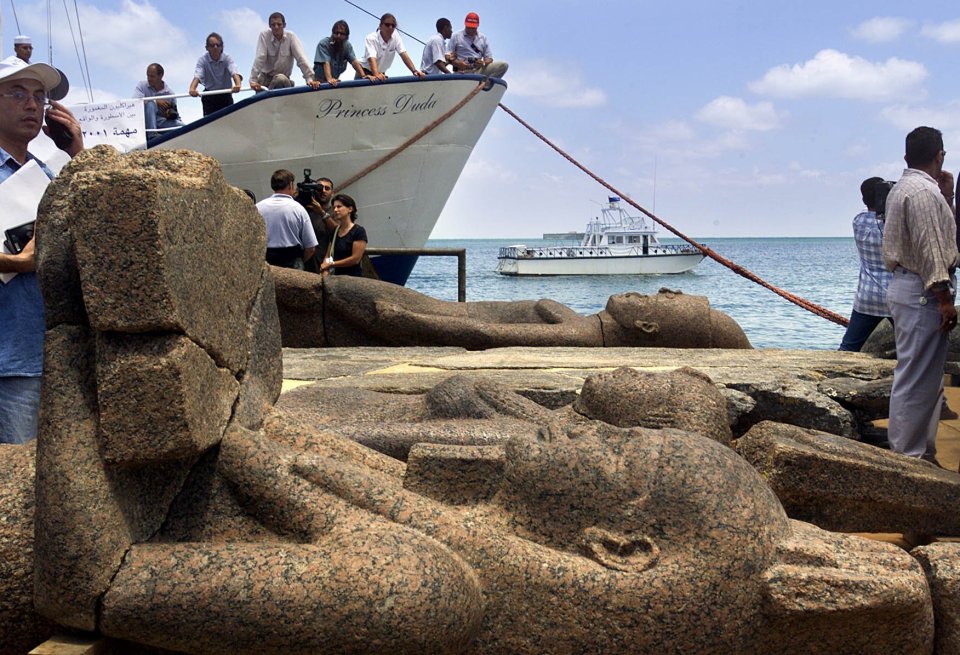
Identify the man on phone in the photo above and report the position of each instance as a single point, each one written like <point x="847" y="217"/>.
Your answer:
<point x="23" y="95"/>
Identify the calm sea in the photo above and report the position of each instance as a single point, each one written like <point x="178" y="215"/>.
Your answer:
<point x="822" y="270"/>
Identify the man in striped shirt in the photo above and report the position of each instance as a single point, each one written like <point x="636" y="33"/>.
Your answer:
<point x="920" y="248"/>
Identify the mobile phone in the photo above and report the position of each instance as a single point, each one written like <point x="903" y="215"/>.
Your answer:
<point x="60" y="135"/>
<point x="18" y="237"/>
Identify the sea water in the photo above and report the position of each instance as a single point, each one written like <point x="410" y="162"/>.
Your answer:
<point x="821" y="270"/>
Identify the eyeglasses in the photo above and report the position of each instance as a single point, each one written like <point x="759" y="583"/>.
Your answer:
<point x="40" y="97"/>
<point x="390" y="25"/>
<point x="215" y="45"/>
<point x="326" y="188"/>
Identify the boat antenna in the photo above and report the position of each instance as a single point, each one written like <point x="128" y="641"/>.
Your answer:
<point x="15" y="19"/>
<point x="81" y="59"/>
<point x="368" y="13"/>
<point x="49" y="36"/>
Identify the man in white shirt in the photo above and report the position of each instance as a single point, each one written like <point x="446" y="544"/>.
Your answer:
<point x="469" y="51"/>
<point x="277" y="49"/>
<point x="381" y="46"/>
<point x="290" y="237"/>
<point x="434" y="60"/>
<point x="23" y="47"/>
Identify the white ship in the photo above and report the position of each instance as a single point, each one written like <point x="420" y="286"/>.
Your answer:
<point x="613" y="244"/>
<point x="337" y="132"/>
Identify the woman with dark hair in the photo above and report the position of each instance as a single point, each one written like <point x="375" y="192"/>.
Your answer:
<point x="333" y="54"/>
<point x="349" y="241"/>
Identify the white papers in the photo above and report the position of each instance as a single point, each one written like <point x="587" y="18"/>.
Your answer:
<point x="19" y="198"/>
<point x="118" y="123"/>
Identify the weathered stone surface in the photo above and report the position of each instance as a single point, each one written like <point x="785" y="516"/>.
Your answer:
<point x="160" y="398"/>
<point x="941" y="563"/>
<point x="682" y="399"/>
<point x="795" y="401"/>
<point x="416" y="598"/>
<point x="670" y="319"/>
<point x="568" y="536"/>
<point x="56" y="257"/>
<point x="846" y="486"/>
<point x="739" y="404"/>
<point x="87" y="513"/>
<point x="148" y="268"/>
<point x="21" y="628"/>
<point x="869" y="400"/>
<point x="164" y="353"/>
<point x="341" y="311"/>
<point x="454" y="474"/>
<point x="833" y="593"/>
<point x="262" y="374"/>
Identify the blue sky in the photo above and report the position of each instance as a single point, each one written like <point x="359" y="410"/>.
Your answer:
<point x="727" y="119"/>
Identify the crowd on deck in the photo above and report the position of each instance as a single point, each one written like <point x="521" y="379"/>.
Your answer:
<point x="278" y="49"/>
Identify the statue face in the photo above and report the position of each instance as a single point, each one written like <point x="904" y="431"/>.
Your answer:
<point x="621" y="528"/>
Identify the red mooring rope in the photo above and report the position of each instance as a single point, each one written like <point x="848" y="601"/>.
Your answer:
<point x="736" y="268"/>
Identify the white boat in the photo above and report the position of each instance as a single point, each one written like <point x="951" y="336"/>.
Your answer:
<point x="613" y="244"/>
<point x="337" y="132"/>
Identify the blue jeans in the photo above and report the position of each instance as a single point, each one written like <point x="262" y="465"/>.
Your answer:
<point x="19" y="406"/>
<point x="860" y="328"/>
<point x="153" y="121"/>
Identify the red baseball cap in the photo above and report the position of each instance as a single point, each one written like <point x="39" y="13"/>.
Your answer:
<point x="472" y="20"/>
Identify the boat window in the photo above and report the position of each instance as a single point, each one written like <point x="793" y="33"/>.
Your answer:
<point x="634" y="239"/>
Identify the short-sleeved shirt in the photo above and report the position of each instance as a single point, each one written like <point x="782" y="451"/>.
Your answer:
<point x="433" y="51"/>
<point x="21" y="307"/>
<point x="288" y="223"/>
<point x="920" y="233"/>
<point x="384" y="51"/>
<point x="871" y="295"/>
<point x="466" y="48"/>
<point x="338" y="59"/>
<point x="144" y="90"/>
<point x="343" y="248"/>
<point x="215" y="74"/>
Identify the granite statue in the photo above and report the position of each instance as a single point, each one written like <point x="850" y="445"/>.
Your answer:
<point x="336" y="311"/>
<point x="177" y="508"/>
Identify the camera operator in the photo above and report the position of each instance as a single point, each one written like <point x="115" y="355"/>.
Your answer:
<point x="315" y="196"/>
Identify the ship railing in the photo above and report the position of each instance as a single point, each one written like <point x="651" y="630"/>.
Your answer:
<point x="174" y="96"/>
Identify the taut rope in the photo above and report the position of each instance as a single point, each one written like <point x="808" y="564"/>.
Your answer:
<point x="736" y="268"/>
<point x="409" y="142"/>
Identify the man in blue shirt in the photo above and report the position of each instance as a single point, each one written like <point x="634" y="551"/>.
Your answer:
<point x="434" y="60"/>
<point x="23" y="94"/>
<point x="334" y="53"/>
<point x="470" y="51"/>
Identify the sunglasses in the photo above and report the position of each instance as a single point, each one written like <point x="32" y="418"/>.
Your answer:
<point x="393" y="25"/>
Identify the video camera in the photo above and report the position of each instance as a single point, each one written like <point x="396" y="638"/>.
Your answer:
<point x="307" y="188"/>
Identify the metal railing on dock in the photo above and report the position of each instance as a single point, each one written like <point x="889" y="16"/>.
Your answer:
<point x="459" y="253"/>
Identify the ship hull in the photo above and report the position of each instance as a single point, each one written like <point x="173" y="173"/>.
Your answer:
<point x="337" y="132"/>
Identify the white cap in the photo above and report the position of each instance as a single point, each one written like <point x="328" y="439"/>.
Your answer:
<point x="22" y="39"/>
<point x="14" y="68"/>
